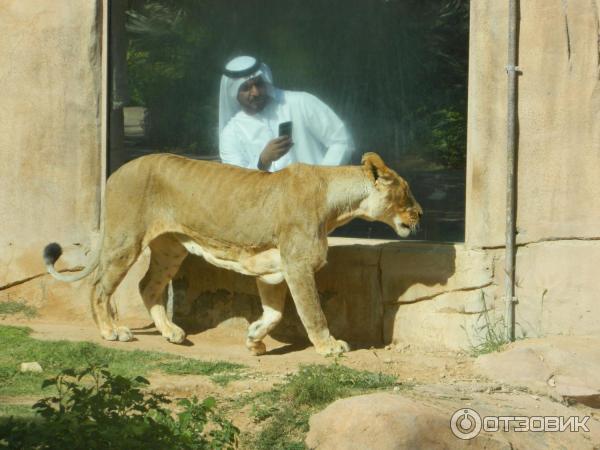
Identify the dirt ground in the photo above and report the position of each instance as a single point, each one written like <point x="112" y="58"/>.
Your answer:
<point x="227" y="344"/>
<point x="448" y="379"/>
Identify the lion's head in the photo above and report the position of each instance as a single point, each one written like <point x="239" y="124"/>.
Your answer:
<point x="391" y="200"/>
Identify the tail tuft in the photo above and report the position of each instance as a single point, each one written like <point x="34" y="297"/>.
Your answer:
<point x="51" y="253"/>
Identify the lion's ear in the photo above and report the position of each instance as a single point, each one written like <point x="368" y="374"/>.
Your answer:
<point x="376" y="168"/>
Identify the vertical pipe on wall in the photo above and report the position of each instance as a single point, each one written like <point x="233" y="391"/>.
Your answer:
<point x="511" y="198"/>
<point x="105" y="109"/>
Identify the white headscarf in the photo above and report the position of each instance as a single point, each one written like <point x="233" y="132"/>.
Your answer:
<point x="237" y="72"/>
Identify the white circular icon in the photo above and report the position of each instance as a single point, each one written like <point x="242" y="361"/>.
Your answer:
<point x="465" y="423"/>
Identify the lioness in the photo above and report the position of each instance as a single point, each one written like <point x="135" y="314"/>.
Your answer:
<point x="272" y="226"/>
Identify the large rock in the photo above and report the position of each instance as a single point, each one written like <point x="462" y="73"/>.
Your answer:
<point x="388" y="422"/>
<point x="420" y="419"/>
<point x="565" y="367"/>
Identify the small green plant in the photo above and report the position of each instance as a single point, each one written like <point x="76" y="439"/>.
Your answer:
<point x="317" y="385"/>
<point x="492" y="335"/>
<point x="14" y="307"/>
<point x="95" y="409"/>
<point x="261" y="412"/>
<point x="285" y="431"/>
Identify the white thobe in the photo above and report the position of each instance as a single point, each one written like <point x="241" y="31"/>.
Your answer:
<point x="319" y="136"/>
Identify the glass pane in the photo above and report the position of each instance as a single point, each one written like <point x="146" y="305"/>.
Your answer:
<point x="395" y="71"/>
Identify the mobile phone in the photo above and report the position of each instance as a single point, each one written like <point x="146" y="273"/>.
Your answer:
<point x="285" y="129"/>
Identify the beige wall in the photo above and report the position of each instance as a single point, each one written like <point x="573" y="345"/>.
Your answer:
<point x="372" y="292"/>
<point x="558" y="217"/>
<point x="559" y="121"/>
<point x="51" y="162"/>
<point x="431" y="295"/>
<point x="559" y="113"/>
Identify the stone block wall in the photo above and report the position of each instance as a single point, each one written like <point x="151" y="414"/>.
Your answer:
<point x="51" y="160"/>
<point x="558" y="189"/>
<point x="372" y="294"/>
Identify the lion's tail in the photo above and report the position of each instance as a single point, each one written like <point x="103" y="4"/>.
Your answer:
<point x="53" y="251"/>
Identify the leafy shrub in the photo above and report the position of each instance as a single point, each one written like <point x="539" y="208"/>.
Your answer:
<point x="94" y="409"/>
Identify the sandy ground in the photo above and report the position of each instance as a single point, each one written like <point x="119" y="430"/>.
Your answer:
<point x="447" y="379"/>
<point x="227" y="344"/>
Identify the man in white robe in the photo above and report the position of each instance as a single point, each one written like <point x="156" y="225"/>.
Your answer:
<point x="251" y="110"/>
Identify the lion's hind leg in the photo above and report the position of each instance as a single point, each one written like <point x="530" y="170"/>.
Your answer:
<point x="272" y="297"/>
<point x="113" y="267"/>
<point x="105" y="316"/>
<point x="166" y="257"/>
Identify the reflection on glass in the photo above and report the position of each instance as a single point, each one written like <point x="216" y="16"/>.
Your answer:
<point x="394" y="71"/>
<point x="261" y="126"/>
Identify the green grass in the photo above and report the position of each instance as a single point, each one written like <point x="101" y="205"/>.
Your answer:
<point x="220" y="372"/>
<point x="286" y="431"/>
<point x="281" y="413"/>
<point x="17" y="347"/>
<point x="318" y="385"/>
<point x="488" y="346"/>
<point x="15" y="307"/>
<point x="494" y="339"/>
<point x="223" y="379"/>
<point x="285" y="410"/>
<point x="183" y="366"/>
<point x="17" y="411"/>
<point x="491" y="333"/>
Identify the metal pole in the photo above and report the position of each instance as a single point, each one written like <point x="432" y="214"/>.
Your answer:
<point x="510" y="252"/>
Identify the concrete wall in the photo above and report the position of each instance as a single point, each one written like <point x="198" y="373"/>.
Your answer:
<point x="51" y="163"/>
<point x="373" y="292"/>
<point x="558" y="217"/>
<point x="559" y="122"/>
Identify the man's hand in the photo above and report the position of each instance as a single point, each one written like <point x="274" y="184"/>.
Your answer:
<point x="274" y="150"/>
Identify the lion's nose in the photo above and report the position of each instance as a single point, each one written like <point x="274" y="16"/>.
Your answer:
<point x="419" y="210"/>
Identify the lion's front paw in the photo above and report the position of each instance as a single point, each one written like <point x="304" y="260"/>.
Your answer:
<point x="257" y="348"/>
<point x="333" y="347"/>
<point x="109" y="334"/>
<point x="175" y="335"/>
<point x="124" y="334"/>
